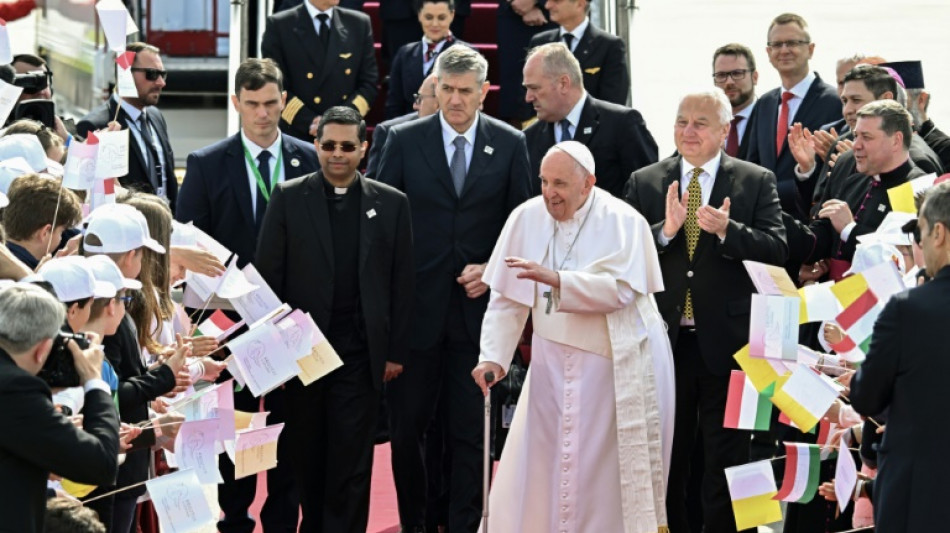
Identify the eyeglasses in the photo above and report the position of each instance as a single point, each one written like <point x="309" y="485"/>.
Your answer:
<point x="151" y="74"/>
<point x="124" y="299"/>
<point x="738" y="74"/>
<point x="345" y="147"/>
<point x="419" y="97"/>
<point x="787" y="44"/>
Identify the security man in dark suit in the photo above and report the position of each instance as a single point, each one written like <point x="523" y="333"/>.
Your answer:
<point x="905" y="368"/>
<point x="734" y="72"/>
<point x="225" y="193"/>
<point x="151" y="161"/>
<point x="326" y="54"/>
<point x="803" y="98"/>
<point x="603" y="57"/>
<point x="709" y="212"/>
<point x="517" y="22"/>
<point x="37" y="440"/>
<point x="616" y="135"/>
<point x="464" y="173"/>
<point x="339" y="246"/>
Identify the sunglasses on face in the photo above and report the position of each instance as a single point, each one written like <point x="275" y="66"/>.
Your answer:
<point x="345" y="147"/>
<point x="151" y="74"/>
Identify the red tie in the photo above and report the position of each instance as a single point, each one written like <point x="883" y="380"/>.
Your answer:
<point x="782" y="130"/>
<point x="431" y="51"/>
<point x="732" y="142"/>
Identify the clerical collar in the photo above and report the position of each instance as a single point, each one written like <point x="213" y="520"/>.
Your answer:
<point x="896" y="176"/>
<point x="334" y="191"/>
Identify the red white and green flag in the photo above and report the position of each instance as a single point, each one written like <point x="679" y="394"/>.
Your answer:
<point x="863" y="296"/>
<point x="802" y="465"/>
<point x="218" y="325"/>
<point x="746" y="408"/>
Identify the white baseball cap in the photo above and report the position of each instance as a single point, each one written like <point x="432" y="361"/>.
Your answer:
<point x="73" y="279"/>
<point x="121" y="228"/>
<point x="26" y="146"/>
<point x="11" y="169"/>
<point x="105" y="269"/>
<point x="875" y="253"/>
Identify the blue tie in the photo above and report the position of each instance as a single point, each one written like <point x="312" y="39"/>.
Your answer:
<point x="457" y="168"/>
<point x="263" y="165"/>
<point x="565" y="130"/>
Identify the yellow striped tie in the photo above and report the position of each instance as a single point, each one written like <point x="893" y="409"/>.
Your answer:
<point x="691" y="226"/>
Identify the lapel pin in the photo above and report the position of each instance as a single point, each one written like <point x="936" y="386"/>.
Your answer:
<point x="371" y="213"/>
<point x="489" y="150"/>
<point x="588" y="130"/>
<point x="295" y="162"/>
<point x="881" y="208"/>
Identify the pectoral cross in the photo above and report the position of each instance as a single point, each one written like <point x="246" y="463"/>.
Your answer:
<point x="547" y="294"/>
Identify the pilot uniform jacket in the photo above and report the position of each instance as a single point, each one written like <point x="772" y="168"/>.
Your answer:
<point x="315" y="78"/>
<point x="603" y="59"/>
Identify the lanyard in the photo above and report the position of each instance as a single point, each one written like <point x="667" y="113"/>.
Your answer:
<point x="257" y="172"/>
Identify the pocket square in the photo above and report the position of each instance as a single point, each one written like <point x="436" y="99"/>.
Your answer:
<point x="594" y="70"/>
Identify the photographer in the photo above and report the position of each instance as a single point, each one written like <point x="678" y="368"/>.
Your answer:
<point x="36" y="100"/>
<point x="36" y="440"/>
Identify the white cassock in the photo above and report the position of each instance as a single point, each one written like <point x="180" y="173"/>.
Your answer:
<point x="590" y="441"/>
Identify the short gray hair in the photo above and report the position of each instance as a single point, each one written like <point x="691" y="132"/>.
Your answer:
<point x="28" y="315"/>
<point x="460" y="59"/>
<point x="894" y="118"/>
<point x="936" y="208"/>
<point x="718" y="97"/>
<point x="557" y="60"/>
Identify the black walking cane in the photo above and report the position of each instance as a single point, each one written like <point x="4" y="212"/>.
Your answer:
<point x="486" y="467"/>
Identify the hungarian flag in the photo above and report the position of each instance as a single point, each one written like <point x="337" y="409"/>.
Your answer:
<point x="218" y="325"/>
<point x="802" y="465"/>
<point x="746" y="408"/>
<point x="752" y="488"/>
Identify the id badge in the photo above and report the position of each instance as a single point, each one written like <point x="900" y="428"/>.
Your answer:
<point x="507" y="415"/>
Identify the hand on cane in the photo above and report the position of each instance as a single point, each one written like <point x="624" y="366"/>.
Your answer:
<point x="479" y="373"/>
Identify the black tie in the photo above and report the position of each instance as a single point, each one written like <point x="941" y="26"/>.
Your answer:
<point x="565" y="130"/>
<point x="568" y="39"/>
<point x="324" y="28"/>
<point x="155" y="166"/>
<point x="263" y="164"/>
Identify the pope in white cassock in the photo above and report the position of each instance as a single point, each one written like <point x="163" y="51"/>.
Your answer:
<point x="590" y="441"/>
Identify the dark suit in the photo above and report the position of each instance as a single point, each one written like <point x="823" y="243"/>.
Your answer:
<point x="380" y="132"/>
<point x="937" y="140"/>
<point x="820" y="106"/>
<point x="904" y="369"/>
<point x="318" y="78"/>
<point x="721" y="295"/>
<point x="603" y="58"/>
<point x="748" y="134"/>
<point x="405" y="76"/>
<point x="138" y="176"/>
<point x="451" y="231"/>
<point x="331" y="428"/>
<point x="37" y="440"/>
<point x="514" y="37"/>
<point x="616" y="135"/>
<point x="216" y="196"/>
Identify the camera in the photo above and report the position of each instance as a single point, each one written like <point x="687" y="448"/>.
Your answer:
<point x="32" y="82"/>
<point x="59" y="370"/>
<point x="42" y="111"/>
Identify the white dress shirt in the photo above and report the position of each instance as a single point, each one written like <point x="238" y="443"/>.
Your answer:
<point x="573" y="117"/>
<point x="135" y="127"/>
<point x="577" y="32"/>
<point x="255" y="151"/>
<point x="313" y="16"/>
<point x="706" y="180"/>
<point x="448" y="140"/>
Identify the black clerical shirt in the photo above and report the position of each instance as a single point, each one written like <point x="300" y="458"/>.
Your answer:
<point x="347" y="333"/>
<point x="868" y="200"/>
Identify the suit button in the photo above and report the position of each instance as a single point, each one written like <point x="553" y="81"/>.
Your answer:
<point x="310" y="75"/>
<point x="689" y="273"/>
<point x="316" y="100"/>
<point x="345" y="97"/>
<point x="347" y="72"/>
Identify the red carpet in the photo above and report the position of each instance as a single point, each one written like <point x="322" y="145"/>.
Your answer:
<point x="383" y="513"/>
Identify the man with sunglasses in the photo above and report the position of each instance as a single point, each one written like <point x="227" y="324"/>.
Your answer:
<point x="425" y="103"/>
<point x="151" y="161"/>
<point x="803" y="98"/>
<point x="225" y="193"/>
<point x="339" y="246"/>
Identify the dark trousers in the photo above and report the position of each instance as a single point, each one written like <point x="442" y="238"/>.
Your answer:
<point x="281" y="509"/>
<point x="700" y="406"/>
<point x="123" y="513"/>
<point x="331" y="430"/>
<point x="438" y="382"/>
